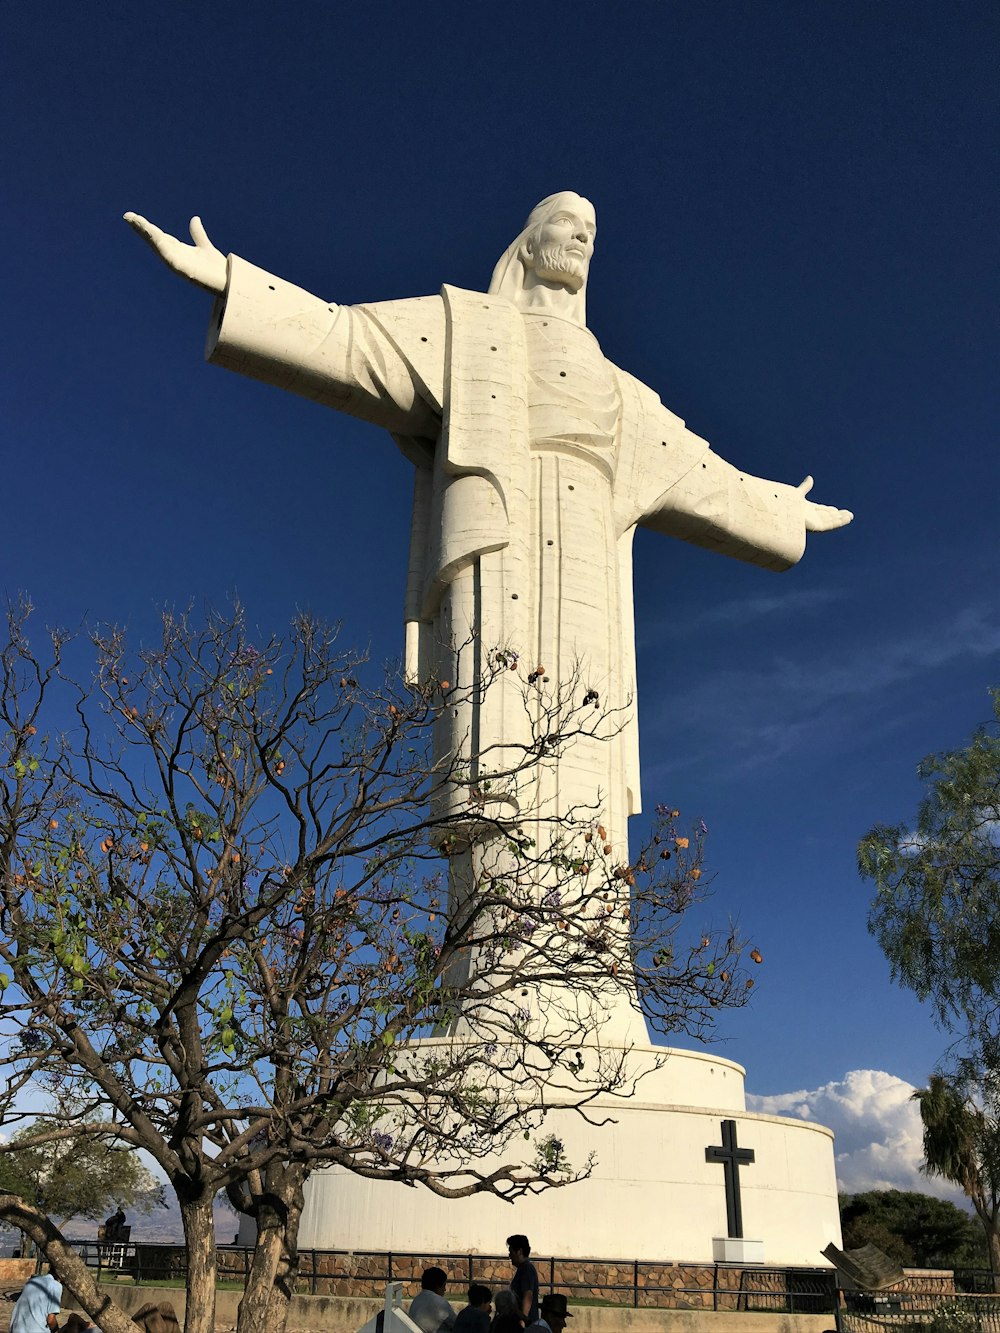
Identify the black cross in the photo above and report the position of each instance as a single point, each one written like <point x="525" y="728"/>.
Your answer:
<point x="732" y="1158"/>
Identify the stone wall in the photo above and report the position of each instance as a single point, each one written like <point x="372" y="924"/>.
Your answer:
<point x="14" y="1272"/>
<point x="665" y="1286"/>
<point x="927" y="1281"/>
<point x="156" y="1262"/>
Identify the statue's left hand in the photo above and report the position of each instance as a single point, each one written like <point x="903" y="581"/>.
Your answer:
<point x="821" y="518"/>
<point x="201" y="263"/>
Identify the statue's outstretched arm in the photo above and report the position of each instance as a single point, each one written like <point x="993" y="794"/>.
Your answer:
<point x="200" y="263"/>
<point x="821" y="518"/>
<point x="715" y="505"/>
<point x="271" y="330"/>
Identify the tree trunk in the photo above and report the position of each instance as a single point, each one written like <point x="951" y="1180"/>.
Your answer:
<point x="199" y="1239"/>
<point x="271" y="1282"/>
<point x="993" y="1237"/>
<point x="65" y="1264"/>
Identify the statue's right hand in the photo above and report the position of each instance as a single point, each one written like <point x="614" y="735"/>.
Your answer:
<point x="200" y="263"/>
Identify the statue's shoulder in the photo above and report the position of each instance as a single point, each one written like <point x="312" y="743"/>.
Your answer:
<point x="645" y="400"/>
<point x="482" y="315"/>
<point x="635" y="389"/>
<point x="428" y="314"/>
<point x="414" y="316"/>
<point x="417" y="329"/>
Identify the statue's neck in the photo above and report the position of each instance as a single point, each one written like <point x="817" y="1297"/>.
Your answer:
<point x="541" y="294"/>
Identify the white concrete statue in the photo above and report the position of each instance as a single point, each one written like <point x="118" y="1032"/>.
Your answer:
<point x="535" y="460"/>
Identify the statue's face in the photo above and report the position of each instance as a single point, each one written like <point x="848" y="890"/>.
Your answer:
<point x="560" y="248"/>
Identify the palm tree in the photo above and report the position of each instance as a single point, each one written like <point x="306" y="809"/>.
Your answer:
<point x="962" y="1144"/>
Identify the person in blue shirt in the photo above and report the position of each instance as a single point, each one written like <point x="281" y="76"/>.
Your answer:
<point x="38" y="1305"/>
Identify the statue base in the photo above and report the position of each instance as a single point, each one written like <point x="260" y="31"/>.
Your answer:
<point x="651" y="1196"/>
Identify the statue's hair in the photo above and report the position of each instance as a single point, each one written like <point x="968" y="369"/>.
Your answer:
<point x="508" y="276"/>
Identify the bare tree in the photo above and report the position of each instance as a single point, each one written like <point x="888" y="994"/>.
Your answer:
<point x="227" y="927"/>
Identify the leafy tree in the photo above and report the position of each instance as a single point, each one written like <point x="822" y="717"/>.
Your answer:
<point x="78" y="1176"/>
<point x="13" y="1179"/>
<point x="962" y="1144"/>
<point x="225" y="930"/>
<point x="936" y="912"/>
<point x="916" y="1230"/>
<point x="936" y="916"/>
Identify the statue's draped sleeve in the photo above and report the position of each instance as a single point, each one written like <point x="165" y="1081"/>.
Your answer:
<point x="339" y="356"/>
<point x="670" y="480"/>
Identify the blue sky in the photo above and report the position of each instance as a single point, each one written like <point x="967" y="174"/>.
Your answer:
<point x="797" y="211"/>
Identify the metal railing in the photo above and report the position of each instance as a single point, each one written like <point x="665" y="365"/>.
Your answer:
<point x="633" y="1282"/>
<point x="918" y="1312"/>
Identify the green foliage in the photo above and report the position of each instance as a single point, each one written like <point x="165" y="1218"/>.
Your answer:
<point x="936" y="916"/>
<point x="954" y="1317"/>
<point x="77" y="1176"/>
<point x="14" y="1180"/>
<point x="550" y="1155"/>
<point x="961" y="1120"/>
<point x="936" y="912"/>
<point x="916" y="1230"/>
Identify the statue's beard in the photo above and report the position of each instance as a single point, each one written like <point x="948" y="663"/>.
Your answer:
<point x="553" y="264"/>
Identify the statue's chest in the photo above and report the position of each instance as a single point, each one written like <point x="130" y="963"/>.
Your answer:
<point x="572" y="392"/>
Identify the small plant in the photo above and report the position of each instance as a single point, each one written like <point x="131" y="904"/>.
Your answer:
<point x="550" y="1156"/>
<point x="953" y="1317"/>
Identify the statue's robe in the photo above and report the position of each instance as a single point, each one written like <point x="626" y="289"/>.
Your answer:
<point x="522" y="544"/>
<point x="535" y="460"/>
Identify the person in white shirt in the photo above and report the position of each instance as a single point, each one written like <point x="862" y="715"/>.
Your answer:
<point x="429" y="1310"/>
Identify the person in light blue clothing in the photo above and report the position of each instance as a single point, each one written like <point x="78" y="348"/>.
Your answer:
<point x="37" y="1306"/>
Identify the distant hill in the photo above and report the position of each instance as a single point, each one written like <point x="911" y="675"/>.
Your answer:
<point x="162" y="1227"/>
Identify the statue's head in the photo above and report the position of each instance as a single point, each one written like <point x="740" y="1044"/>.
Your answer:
<point x="554" y="248"/>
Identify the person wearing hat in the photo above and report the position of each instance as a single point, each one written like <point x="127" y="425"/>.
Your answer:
<point x="553" y="1316"/>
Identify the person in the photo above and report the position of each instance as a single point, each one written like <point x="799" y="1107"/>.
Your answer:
<point x="429" y="1310"/>
<point x="161" y="1318"/>
<point x="524" y="1283"/>
<point x="535" y="459"/>
<point x="553" y="1314"/>
<point x="76" y="1323"/>
<point x="114" y="1225"/>
<point x="507" y="1313"/>
<point x="475" y="1317"/>
<point x="38" y="1305"/>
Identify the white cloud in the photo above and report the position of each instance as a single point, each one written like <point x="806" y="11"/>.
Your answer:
<point x="878" y="1144"/>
